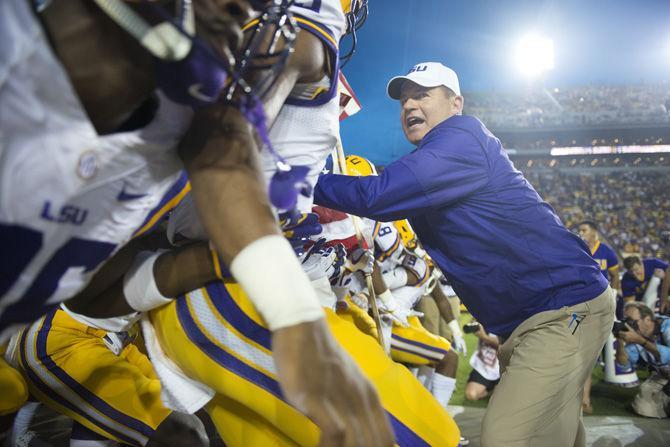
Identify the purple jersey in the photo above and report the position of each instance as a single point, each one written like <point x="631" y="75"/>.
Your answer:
<point x="605" y="257"/>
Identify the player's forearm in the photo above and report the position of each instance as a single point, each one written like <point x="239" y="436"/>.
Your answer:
<point x="378" y="280"/>
<point x="184" y="269"/>
<point x="103" y="296"/>
<point x="226" y="181"/>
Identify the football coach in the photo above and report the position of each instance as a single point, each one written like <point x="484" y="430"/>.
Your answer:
<point x="518" y="270"/>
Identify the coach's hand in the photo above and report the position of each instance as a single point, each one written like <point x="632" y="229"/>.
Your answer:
<point x="324" y="383"/>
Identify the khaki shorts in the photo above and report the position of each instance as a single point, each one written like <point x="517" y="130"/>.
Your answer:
<point x="544" y="364"/>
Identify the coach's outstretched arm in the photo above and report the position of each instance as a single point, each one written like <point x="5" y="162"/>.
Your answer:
<point x="317" y="377"/>
<point x="448" y="165"/>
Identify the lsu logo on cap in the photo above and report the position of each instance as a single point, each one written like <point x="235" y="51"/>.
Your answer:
<point x="420" y="67"/>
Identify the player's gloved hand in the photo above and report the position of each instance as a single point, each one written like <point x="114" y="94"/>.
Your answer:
<point x="298" y="228"/>
<point x="360" y="300"/>
<point x="414" y="313"/>
<point x="323" y="382"/>
<point x="320" y="261"/>
<point x="361" y="261"/>
<point x="399" y="317"/>
<point x="387" y="306"/>
<point x="459" y="341"/>
<point x="386" y="302"/>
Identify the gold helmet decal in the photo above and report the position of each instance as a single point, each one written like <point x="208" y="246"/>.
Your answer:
<point x="346" y="6"/>
<point x="360" y="166"/>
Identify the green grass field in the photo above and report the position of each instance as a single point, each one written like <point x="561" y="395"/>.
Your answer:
<point x="607" y="400"/>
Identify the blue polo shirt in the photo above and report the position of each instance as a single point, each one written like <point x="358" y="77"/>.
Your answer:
<point x="630" y="285"/>
<point x="605" y="257"/>
<point x="637" y="353"/>
<point x="504" y="250"/>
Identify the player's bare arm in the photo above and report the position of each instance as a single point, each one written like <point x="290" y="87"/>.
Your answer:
<point x="176" y="271"/>
<point x="221" y="157"/>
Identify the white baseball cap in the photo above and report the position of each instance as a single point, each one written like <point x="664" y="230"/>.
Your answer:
<point x="426" y="74"/>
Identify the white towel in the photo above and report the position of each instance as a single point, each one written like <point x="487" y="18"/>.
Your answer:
<point x="178" y="392"/>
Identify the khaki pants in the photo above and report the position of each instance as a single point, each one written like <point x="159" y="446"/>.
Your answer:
<point x="544" y="364"/>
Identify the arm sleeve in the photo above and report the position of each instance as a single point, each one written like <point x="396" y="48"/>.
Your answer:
<point x="658" y="264"/>
<point x="633" y="356"/>
<point x="449" y="165"/>
<point x="665" y="332"/>
<point x="665" y="354"/>
<point x="612" y="260"/>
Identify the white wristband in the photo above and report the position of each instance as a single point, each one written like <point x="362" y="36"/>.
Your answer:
<point x="139" y="284"/>
<point x="651" y="293"/>
<point x="455" y="328"/>
<point x="387" y="298"/>
<point x="270" y="274"/>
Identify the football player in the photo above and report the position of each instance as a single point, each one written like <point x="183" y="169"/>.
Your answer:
<point x="223" y="342"/>
<point x="406" y="278"/>
<point x="102" y="199"/>
<point x="91" y="370"/>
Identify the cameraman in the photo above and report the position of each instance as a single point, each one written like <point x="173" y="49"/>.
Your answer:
<point x="646" y="338"/>
<point x="485" y="373"/>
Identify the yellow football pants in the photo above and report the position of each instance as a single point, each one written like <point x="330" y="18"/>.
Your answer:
<point x="411" y="344"/>
<point x="13" y="389"/>
<point x="216" y="337"/>
<point x="350" y="312"/>
<point x="414" y="345"/>
<point x="68" y="367"/>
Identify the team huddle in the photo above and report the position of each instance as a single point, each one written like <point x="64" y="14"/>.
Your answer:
<point x="162" y="253"/>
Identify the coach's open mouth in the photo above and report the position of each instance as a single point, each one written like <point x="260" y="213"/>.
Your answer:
<point x="413" y="121"/>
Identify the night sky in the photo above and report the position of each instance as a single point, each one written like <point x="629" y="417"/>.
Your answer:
<point x="595" y="41"/>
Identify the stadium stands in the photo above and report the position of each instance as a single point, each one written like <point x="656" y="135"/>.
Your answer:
<point x="631" y="207"/>
<point x="597" y="152"/>
<point x="572" y="107"/>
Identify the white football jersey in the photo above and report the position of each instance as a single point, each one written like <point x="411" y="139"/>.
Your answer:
<point x="389" y="247"/>
<point x="69" y="198"/>
<point x="307" y="127"/>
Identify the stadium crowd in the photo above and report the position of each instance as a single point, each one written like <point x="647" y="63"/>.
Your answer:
<point x="592" y="162"/>
<point x="632" y="207"/>
<point x="575" y="106"/>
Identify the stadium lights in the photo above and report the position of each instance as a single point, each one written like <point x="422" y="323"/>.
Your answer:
<point x="533" y="55"/>
<point x="596" y="150"/>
